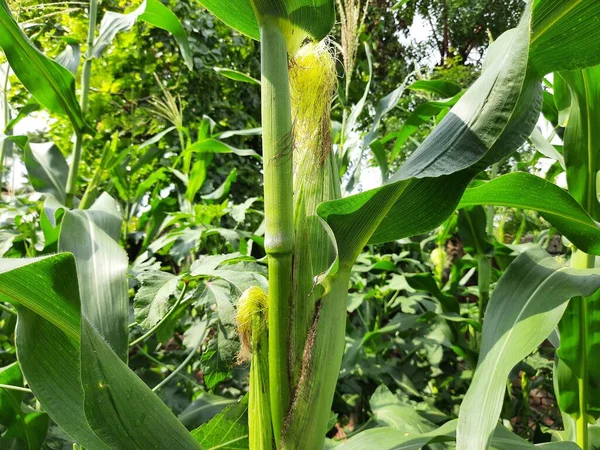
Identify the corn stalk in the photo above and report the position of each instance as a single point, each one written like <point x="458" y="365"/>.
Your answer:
<point x="85" y="90"/>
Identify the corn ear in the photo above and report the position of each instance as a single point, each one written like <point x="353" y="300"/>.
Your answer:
<point x="252" y="329"/>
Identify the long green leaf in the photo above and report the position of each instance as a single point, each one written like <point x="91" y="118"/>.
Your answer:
<point x="150" y="11"/>
<point x="526" y="191"/>
<point x="78" y="379"/>
<point x="102" y="272"/>
<point x="314" y="17"/>
<point x="120" y="408"/>
<point x="491" y="120"/>
<point x="48" y="336"/>
<point x="47" y="169"/>
<point x="50" y="83"/>
<point x="565" y="35"/>
<point x="526" y="305"/>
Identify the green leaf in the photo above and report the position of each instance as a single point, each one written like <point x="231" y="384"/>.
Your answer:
<point x="576" y="321"/>
<point x="236" y="75"/>
<point x="102" y="272"/>
<point x="489" y="121"/>
<point x="203" y="409"/>
<point x="390" y="411"/>
<point x="564" y="35"/>
<point x="29" y="428"/>
<point x="215" y="146"/>
<point x="46" y="294"/>
<point x="152" y="300"/>
<point x="224" y="188"/>
<point x="119" y="406"/>
<point x="471" y="228"/>
<point x="227" y="430"/>
<point x="441" y="88"/>
<point x="150" y="11"/>
<point x="526" y="305"/>
<point x="222" y="350"/>
<point x="314" y="17"/>
<point x="50" y="83"/>
<point x="387" y="438"/>
<point x="525" y="191"/>
<point x="47" y="169"/>
<point x="581" y="139"/>
<point x="238" y="14"/>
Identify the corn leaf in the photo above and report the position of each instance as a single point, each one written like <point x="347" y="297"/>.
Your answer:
<point x="581" y="139"/>
<point x="102" y="270"/>
<point x="47" y="168"/>
<point x="565" y="35"/>
<point x="120" y="408"/>
<point x="150" y="11"/>
<point x="236" y="75"/>
<point x="314" y="17"/>
<point x="574" y="350"/>
<point x="60" y="363"/>
<point x="526" y="305"/>
<point x="491" y="120"/>
<point x="47" y="298"/>
<point x="50" y="83"/>
<point x="525" y="191"/>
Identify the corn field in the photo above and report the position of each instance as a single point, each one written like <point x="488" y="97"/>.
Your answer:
<point x="221" y="229"/>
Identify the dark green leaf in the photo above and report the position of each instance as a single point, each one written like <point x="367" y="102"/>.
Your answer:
<point x="525" y="191"/>
<point x="526" y="305"/>
<point x="50" y="83"/>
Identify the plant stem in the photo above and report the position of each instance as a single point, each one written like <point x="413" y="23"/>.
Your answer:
<point x="484" y="263"/>
<point x="85" y="90"/>
<point x="6" y="143"/>
<point x="581" y="260"/>
<point x="10" y="387"/>
<point x="279" y="231"/>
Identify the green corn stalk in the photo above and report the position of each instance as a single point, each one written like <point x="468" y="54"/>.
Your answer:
<point x="85" y="90"/>
<point x="279" y="231"/>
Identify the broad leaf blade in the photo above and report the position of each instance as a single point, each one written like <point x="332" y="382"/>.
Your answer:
<point x="526" y="191"/>
<point x="102" y="271"/>
<point x="49" y="352"/>
<point x="526" y="305"/>
<point x="151" y="11"/>
<point x="47" y="169"/>
<point x="46" y="294"/>
<point x="314" y="17"/>
<point x="120" y="408"/>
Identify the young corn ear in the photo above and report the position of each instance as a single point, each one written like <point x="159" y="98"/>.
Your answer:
<point x="252" y="329"/>
<point x="312" y="82"/>
<point x="318" y="316"/>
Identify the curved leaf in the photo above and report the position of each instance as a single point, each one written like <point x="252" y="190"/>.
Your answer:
<point x="565" y="35"/>
<point x="314" y="17"/>
<point x="236" y="75"/>
<point x="50" y="83"/>
<point x="86" y="390"/>
<point x="102" y="271"/>
<point x="526" y="191"/>
<point x="526" y="305"/>
<point x="150" y="11"/>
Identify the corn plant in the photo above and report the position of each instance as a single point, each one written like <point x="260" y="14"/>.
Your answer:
<point x="71" y="338"/>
